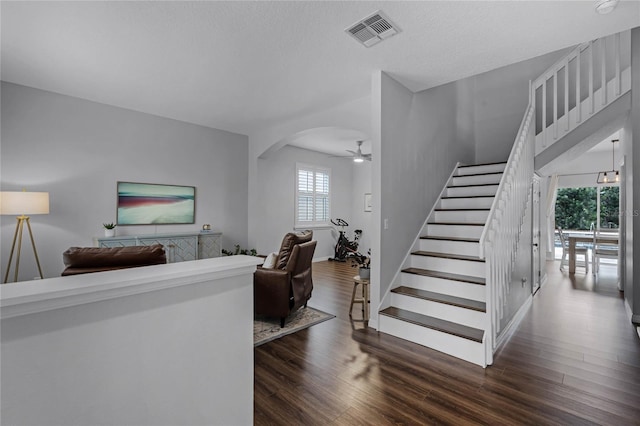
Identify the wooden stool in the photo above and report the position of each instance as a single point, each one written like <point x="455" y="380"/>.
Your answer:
<point x="364" y="300"/>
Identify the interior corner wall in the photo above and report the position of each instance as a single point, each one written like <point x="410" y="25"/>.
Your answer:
<point x="420" y="145"/>
<point x="77" y="150"/>
<point x="276" y="198"/>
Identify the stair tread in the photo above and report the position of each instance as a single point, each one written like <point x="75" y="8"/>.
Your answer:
<point x="435" y="323"/>
<point x="467" y="196"/>
<point x="462" y="210"/>
<point x="447" y="255"/>
<point x="469" y="186"/>
<point x="445" y="275"/>
<point x="457" y="223"/>
<point x="481" y="164"/>
<point x="441" y="298"/>
<point x="461" y="239"/>
<point x="478" y="174"/>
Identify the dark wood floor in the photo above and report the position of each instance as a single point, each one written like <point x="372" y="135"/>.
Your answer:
<point x="574" y="360"/>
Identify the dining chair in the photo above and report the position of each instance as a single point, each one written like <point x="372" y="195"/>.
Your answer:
<point x="607" y="250"/>
<point x="584" y="251"/>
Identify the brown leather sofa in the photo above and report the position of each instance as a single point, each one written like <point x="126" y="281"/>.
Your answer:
<point x="83" y="260"/>
<point x="284" y="289"/>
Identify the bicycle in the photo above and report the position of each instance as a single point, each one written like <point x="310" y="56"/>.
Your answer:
<point x="345" y="248"/>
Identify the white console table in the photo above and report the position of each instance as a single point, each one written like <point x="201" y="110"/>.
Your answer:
<point x="179" y="247"/>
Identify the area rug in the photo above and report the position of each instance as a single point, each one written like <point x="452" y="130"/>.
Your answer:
<point x="268" y="329"/>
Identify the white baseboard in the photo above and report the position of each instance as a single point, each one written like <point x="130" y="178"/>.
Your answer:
<point x="320" y="259"/>
<point x="513" y="324"/>
<point x="628" y="310"/>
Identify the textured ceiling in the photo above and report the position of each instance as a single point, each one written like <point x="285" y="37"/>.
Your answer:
<point x="241" y="66"/>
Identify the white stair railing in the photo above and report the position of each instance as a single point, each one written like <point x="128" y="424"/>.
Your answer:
<point x="586" y="80"/>
<point x="501" y="233"/>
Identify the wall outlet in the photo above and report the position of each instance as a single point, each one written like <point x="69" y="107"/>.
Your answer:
<point x="386" y="224"/>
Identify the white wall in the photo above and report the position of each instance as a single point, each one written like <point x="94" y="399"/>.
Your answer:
<point x="159" y="345"/>
<point x="419" y="146"/>
<point x="276" y="198"/>
<point x="77" y="150"/>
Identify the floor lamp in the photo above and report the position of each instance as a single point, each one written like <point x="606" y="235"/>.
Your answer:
<point x="22" y="204"/>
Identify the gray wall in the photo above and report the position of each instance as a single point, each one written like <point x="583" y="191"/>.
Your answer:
<point x="420" y="145"/>
<point x="632" y="132"/>
<point x="361" y="184"/>
<point x="276" y="198"/>
<point x="77" y="150"/>
<point x="499" y="98"/>
<point x="519" y="292"/>
<point x="630" y="206"/>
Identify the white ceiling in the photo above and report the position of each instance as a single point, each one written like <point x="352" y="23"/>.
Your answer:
<point x="242" y="66"/>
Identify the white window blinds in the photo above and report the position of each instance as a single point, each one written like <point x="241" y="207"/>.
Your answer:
<point x="312" y="196"/>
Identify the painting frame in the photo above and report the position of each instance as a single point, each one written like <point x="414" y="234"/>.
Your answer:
<point x="139" y="203"/>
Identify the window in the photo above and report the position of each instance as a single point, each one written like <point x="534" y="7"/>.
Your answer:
<point x="313" y="205"/>
<point x="578" y="208"/>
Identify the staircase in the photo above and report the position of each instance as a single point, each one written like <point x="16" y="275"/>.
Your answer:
<point x="452" y="294"/>
<point x="441" y="300"/>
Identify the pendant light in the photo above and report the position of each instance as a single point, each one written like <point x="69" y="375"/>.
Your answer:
<point x="613" y="175"/>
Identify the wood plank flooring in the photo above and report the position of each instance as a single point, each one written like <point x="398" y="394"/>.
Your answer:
<point x="574" y="360"/>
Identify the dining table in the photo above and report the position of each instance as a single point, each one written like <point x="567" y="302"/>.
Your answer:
<point x="587" y="237"/>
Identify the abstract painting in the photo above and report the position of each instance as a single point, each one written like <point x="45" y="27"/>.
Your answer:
<point x="155" y="204"/>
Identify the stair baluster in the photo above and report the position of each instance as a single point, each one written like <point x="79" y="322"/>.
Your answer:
<point x="501" y="235"/>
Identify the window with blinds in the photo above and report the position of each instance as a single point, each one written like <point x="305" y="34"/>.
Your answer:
<point x="312" y="196"/>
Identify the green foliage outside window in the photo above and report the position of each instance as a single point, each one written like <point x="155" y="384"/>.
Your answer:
<point x="609" y="205"/>
<point x="576" y="208"/>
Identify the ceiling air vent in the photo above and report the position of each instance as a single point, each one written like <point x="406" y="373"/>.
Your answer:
<point x="373" y="29"/>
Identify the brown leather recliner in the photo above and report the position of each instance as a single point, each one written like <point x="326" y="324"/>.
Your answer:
<point x="284" y="289"/>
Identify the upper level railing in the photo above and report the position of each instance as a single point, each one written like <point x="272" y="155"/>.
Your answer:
<point x="585" y="81"/>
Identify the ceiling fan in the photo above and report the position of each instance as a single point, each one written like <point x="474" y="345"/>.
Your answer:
<point x="358" y="156"/>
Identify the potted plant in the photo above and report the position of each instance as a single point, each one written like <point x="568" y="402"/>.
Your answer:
<point x="109" y="229"/>
<point x="238" y="250"/>
<point x="363" y="263"/>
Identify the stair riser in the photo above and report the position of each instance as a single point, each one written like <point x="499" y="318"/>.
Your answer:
<point x="458" y="231"/>
<point x="455" y="314"/>
<point x="477" y="179"/>
<point x="470" y="191"/>
<point x="472" y="216"/>
<point x="453" y="266"/>
<point x="491" y="168"/>
<point x="443" y="286"/>
<point x="459" y="347"/>
<point x="466" y="203"/>
<point x="450" y="247"/>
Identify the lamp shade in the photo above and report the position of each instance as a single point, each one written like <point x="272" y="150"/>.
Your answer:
<point x="22" y="202"/>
